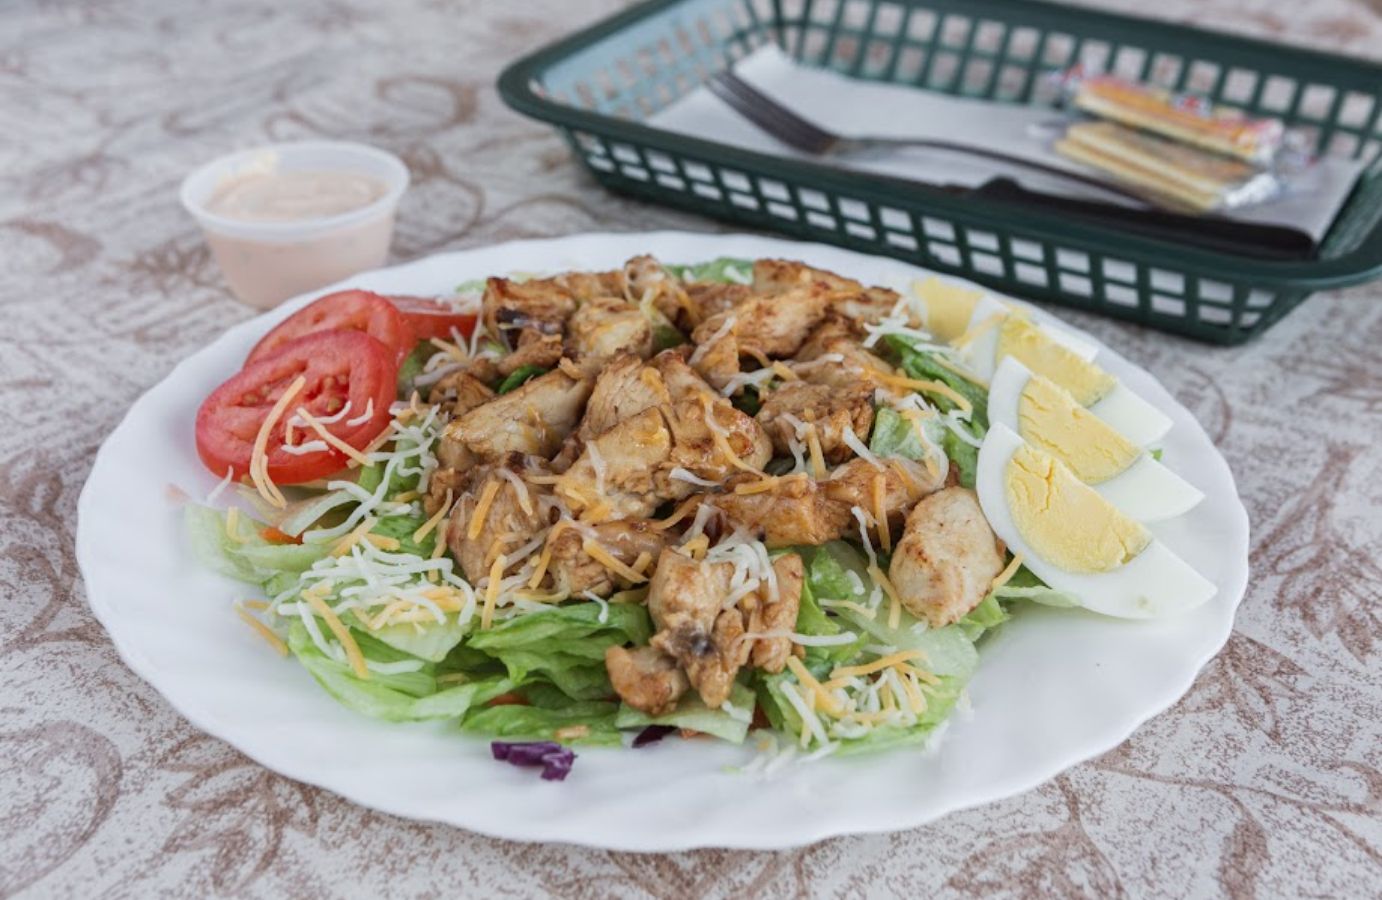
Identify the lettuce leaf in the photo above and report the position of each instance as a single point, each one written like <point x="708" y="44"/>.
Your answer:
<point x="411" y="697"/>
<point x="1025" y="585"/>
<point x="988" y="614"/>
<point x="565" y="645"/>
<point x="518" y="377"/>
<point x="536" y="723"/>
<point x="691" y="713"/>
<point x="251" y="558"/>
<point x="921" y="364"/>
<point x="894" y="436"/>
<point x="726" y="269"/>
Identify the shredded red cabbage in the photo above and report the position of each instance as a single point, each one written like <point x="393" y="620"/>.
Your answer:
<point x="652" y="734"/>
<point x="556" y="760"/>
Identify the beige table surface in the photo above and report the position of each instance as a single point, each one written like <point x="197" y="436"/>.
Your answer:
<point x="1265" y="780"/>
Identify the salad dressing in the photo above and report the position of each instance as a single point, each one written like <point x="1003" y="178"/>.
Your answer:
<point x="293" y="196"/>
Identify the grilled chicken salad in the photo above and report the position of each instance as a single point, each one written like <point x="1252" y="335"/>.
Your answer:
<point x="712" y="499"/>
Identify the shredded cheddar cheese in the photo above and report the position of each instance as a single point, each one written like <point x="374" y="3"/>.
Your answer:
<point x="496" y="575"/>
<point x="1008" y="572"/>
<point x="426" y="527"/>
<point x="259" y="456"/>
<point x="819" y="694"/>
<point x="602" y="556"/>
<point x="342" y="633"/>
<point x="929" y="387"/>
<point x="878" y="665"/>
<point x="264" y="631"/>
<point x="477" y="518"/>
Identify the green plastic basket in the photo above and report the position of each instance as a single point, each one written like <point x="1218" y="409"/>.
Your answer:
<point x="599" y="85"/>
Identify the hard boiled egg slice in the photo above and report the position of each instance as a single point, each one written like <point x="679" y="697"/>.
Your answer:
<point x="1046" y="416"/>
<point x="1131" y="416"/>
<point x="946" y="307"/>
<point x="996" y="330"/>
<point x="1075" y="540"/>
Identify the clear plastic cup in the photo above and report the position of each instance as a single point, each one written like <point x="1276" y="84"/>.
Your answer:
<point x="266" y="262"/>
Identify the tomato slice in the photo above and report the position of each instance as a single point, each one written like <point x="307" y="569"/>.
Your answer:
<point x="429" y="318"/>
<point x="341" y="311"/>
<point x="337" y="367"/>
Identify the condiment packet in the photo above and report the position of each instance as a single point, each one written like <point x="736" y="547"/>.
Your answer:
<point x="1170" y="172"/>
<point x="1188" y="118"/>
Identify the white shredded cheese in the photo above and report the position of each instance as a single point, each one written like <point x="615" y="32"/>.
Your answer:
<point x="681" y="474"/>
<point x="703" y="348"/>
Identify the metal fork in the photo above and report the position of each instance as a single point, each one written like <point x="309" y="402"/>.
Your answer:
<point x="790" y="128"/>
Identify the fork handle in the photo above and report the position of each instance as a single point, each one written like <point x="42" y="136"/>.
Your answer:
<point x="851" y="146"/>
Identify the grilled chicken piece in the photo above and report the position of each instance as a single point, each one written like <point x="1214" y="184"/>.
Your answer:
<point x="624" y="388"/>
<point x="645" y="276"/>
<point x="574" y="571"/>
<point x="717" y="358"/>
<point x="766" y="614"/>
<point x="947" y="558"/>
<point x="851" y="298"/>
<point x="462" y="391"/>
<point x="798" y="406"/>
<point x="832" y="355"/>
<point x="614" y="475"/>
<point x="534" y="349"/>
<point x="712" y="297"/>
<point x="532" y="419"/>
<point x="685" y="599"/>
<point x="646" y="678"/>
<point x="590" y="285"/>
<point x="605" y="326"/>
<point x="770" y="326"/>
<point x="512" y="310"/>
<point x="794" y="511"/>
<point x="508" y="520"/>
<point x="701" y="432"/>
<point x="447" y="482"/>
<point x="902" y="482"/>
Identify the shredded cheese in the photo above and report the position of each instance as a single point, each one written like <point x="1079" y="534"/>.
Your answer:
<point x="426" y="527"/>
<point x="894" y="600"/>
<point x="824" y="700"/>
<point x="259" y="457"/>
<point x="1008" y="572"/>
<point x="477" y="518"/>
<point x="331" y="439"/>
<point x="496" y="575"/>
<point x="930" y="387"/>
<point x="602" y="556"/>
<point x="720" y="437"/>
<point x="880" y="513"/>
<point x="813" y="444"/>
<point x="342" y="633"/>
<point x="878" y="665"/>
<point x="261" y="629"/>
<point x="973" y="334"/>
<point x="679" y="473"/>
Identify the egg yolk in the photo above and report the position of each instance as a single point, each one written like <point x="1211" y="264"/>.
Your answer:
<point x="1049" y="418"/>
<point x="1021" y="339"/>
<point x="1063" y="520"/>
<point x="948" y="307"/>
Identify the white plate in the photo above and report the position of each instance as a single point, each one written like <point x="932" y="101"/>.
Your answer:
<point x="1054" y="687"/>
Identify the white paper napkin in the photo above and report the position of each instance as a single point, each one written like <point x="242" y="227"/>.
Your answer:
<point x="855" y="108"/>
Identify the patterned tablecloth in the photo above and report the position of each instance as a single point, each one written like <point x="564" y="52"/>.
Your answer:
<point x="1265" y="779"/>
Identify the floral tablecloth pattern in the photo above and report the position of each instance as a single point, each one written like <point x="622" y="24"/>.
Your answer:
<point x="1265" y="780"/>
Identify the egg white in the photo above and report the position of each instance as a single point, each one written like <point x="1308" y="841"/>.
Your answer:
<point x="1154" y="583"/>
<point x="1133" y="417"/>
<point x="1146" y="491"/>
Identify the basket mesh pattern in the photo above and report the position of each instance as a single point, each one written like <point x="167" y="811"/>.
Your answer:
<point x="1000" y="50"/>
